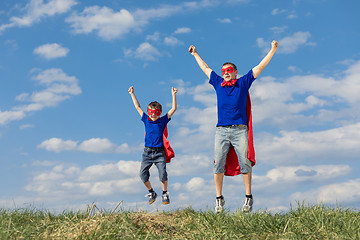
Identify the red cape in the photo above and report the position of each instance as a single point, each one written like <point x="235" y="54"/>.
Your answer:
<point x="232" y="167"/>
<point x="169" y="152"/>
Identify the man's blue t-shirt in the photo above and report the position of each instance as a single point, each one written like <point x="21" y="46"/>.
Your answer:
<point x="154" y="130"/>
<point x="231" y="101"/>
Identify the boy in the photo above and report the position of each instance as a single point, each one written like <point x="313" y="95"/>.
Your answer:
<point x="154" y="151"/>
<point x="232" y="129"/>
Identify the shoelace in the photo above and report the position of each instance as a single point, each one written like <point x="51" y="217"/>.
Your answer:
<point x="148" y="195"/>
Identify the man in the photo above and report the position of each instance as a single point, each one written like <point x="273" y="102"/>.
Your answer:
<point x="231" y="129"/>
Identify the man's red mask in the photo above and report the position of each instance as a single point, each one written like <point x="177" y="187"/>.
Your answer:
<point x="157" y="112"/>
<point x="228" y="69"/>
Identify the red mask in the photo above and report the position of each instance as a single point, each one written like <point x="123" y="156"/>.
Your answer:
<point x="229" y="70"/>
<point x="157" y="112"/>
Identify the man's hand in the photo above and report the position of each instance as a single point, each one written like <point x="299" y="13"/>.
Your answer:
<point x="131" y="90"/>
<point x="173" y="91"/>
<point x="192" y="50"/>
<point x="274" y="45"/>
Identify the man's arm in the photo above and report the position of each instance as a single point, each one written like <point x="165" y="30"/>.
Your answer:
<point x="204" y="67"/>
<point x="135" y="101"/>
<point x="174" y="103"/>
<point x="258" y="69"/>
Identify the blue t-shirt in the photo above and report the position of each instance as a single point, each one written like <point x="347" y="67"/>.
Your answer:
<point x="231" y="101"/>
<point x="154" y="130"/>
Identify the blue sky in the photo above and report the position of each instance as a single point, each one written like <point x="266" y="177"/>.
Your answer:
<point x="70" y="135"/>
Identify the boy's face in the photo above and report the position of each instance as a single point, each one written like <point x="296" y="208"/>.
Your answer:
<point x="228" y="72"/>
<point x="154" y="114"/>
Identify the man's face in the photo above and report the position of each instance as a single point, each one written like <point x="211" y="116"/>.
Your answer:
<point x="154" y="114"/>
<point x="228" y="72"/>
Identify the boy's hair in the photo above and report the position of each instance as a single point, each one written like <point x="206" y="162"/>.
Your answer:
<point x="155" y="105"/>
<point x="234" y="66"/>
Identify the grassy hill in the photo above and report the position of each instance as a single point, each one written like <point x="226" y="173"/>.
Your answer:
<point x="302" y="222"/>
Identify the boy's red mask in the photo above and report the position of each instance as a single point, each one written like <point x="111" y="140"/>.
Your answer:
<point x="228" y="69"/>
<point x="157" y="112"/>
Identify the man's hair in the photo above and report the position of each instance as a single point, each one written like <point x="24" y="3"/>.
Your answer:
<point x="234" y="66"/>
<point x="155" y="105"/>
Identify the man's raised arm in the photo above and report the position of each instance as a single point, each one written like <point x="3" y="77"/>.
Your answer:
<point x="258" y="69"/>
<point x="204" y="67"/>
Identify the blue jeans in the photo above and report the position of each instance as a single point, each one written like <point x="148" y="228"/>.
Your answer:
<point x="150" y="157"/>
<point x="237" y="136"/>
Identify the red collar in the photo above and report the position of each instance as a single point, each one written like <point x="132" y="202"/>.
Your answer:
<point x="228" y="83"/>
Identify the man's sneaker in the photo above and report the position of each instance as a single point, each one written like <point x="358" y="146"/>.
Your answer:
<point x="152" y="197"/>
<point x="247" y="207"/>
<point x="219" y="205"/>
<point x="165" y="198"/>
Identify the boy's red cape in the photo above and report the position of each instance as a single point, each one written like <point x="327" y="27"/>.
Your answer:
<point x="169" y="152"/>
<point x="232" y="167"/>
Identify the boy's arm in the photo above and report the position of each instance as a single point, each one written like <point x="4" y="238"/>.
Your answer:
<point x="204" y="67"/>
<point x="258" y="69"/>
<point x="135" y="101"/>
<point x="174" y="103"/>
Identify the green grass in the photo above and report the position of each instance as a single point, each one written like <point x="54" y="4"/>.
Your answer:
<point x="302" y="222"/>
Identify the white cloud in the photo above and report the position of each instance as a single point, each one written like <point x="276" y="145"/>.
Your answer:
<point x="290" y="99"/>
<point x="182" y="30"/>
<point x="58" y="145"/>
<point x="145" y="52"/>
<point x="108" y="24"/>
<point x="343" y="192"/>
<point x="36" y="10"/>
<point x="154" y="37"/>
<point x="58" y="87"/>
<point x="277" y="11"/>
<point x="102" y="145"/>
<point x="51" y="51"/>
<point x="289" y="44"/>
<point x="24" y="126"/>
<point x="93" y="145"/>
<point x="224" y="20"/>
<point x="294" y="146"/>
<point x="172" y="41"/>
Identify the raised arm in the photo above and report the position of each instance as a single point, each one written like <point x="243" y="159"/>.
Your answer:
<point x="135" y="101"/>
<point x="174" y="103"/>
<point x="258" y="69"/>
<point x="204" y="67"/>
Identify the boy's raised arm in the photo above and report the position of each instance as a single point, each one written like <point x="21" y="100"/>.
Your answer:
<point x="258" y="69"/>
<point x="204" y="67"/>
<point x="135" y="101"/>
<point x="174" y="103"/>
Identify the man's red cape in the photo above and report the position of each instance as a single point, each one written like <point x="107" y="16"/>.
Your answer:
<point x="232" y="167"/>
<point x="169" y="152"/>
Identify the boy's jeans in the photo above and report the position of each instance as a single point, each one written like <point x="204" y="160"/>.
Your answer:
<point x="237" y="136"/>
<point x="153" y="156"/>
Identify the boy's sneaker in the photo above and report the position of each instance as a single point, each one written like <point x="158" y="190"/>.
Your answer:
<point x="247" y="207"/>
<point x="219" y="205"/>
<point x="165" y="198"/>
<point x="152" y="197"/>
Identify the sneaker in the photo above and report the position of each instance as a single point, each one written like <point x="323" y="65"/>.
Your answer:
<point x="247" y="207"/>
<point x="165" y="198"/>
<point x="152" y="197"/>
<point x="219" y="205"/>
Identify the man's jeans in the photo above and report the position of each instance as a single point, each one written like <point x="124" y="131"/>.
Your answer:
<point x="150" y="157"/>
<point x="237" y="136"/>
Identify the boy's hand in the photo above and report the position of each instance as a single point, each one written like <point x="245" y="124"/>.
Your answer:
<point x="274" y="45"/>
<point x="131" y="90"/>
<point x="173" y="91"/>
<point x="192" y="50"/>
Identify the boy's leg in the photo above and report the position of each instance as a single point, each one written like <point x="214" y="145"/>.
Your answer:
<point x="218" y="179"/>
<point x="164" y="185"/>
<point x="222" y="146"/>
<point x="240" y="143"/>
<point x="146" y="163"/>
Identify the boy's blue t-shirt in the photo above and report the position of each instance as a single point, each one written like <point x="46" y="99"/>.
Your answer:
<point x="231" y="101"/>
<point x="154" y="130"/>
